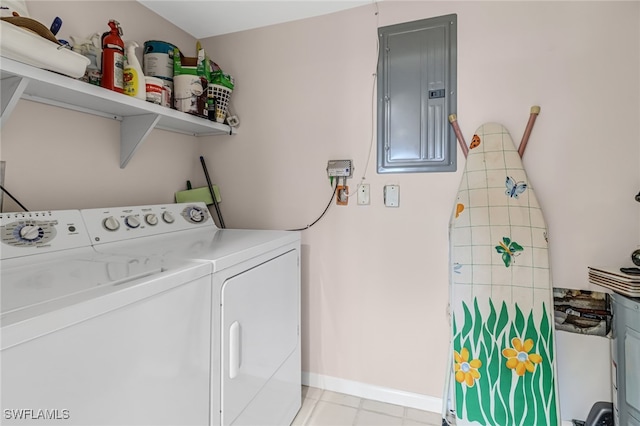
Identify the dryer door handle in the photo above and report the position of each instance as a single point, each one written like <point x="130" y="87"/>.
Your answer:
<point x="234" y="349"/>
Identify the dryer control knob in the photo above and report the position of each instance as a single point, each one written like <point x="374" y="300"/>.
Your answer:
<point x="111" y="224"/>
<point x="168" y="217"/>
<point x="132" y="221"/>
<point x="30" y="232"/>
<point x="151" y="219"/>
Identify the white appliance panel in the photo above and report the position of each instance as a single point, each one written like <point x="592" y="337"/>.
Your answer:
<point x="143" y="363"/>
<point x="90" y="338"/>
<point x="117" y="224"/>
<point x="257" y="272"/>
<point x="260" y="317"/>
<point x="37" y="233"/>
<point x="190" y="234"/>
<point x="29" y="284"/>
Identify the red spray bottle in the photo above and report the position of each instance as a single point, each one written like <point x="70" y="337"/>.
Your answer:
<point x="113" y="58"/>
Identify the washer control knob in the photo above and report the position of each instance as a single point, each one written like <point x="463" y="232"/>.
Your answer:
<point x="132" y="221"/>
<point x="30" y="232"/>
<point x="168" y="217"/>
<point x="195" y="215"/>
<point x="111" y="224"/>
<point x="151" y="219"/>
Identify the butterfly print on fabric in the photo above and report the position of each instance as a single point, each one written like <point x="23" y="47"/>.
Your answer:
<point x="514" y="189"/>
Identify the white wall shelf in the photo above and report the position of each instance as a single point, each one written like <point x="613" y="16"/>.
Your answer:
<point x="137" y="117"/>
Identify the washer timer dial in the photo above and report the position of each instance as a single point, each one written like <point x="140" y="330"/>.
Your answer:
<point x="28" y="232"/>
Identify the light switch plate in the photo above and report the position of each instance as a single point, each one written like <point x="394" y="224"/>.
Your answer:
<point x="363" y="194"/>
<point x="392" y="195"/>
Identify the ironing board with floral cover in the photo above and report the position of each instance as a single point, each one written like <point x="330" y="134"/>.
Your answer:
<point x="501" y="298"/>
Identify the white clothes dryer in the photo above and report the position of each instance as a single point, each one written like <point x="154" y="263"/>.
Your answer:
<point x="89" y="338"/>
<point x="255" y="297"/>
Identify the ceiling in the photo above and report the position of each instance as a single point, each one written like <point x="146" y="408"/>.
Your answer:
<point x="202" y="19"/>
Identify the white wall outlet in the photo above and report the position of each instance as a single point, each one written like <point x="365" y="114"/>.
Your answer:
<point x="392" y="195"/>
<point x="363" y="194"/>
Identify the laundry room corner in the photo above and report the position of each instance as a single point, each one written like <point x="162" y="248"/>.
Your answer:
<point x="377" y="279"/>
<point x="374" y="273"/>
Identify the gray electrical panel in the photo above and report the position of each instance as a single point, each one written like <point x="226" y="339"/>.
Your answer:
<point x="416" y="93"/>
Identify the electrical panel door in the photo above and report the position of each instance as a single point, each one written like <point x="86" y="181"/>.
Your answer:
<point x="416" y="94"/>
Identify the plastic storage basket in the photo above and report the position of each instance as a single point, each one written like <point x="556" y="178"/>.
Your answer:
<point x="222" y="95"/>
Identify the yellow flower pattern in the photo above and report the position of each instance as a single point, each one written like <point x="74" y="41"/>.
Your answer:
<point x="519" y="358"/>
<point x="466" y="371"/>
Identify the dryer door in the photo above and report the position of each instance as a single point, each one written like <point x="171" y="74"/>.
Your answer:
<point x="260" y="351"/>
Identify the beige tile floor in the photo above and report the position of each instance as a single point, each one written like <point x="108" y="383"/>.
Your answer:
<point x="326" y="408"/>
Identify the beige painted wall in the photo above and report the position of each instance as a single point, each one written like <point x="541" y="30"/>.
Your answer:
<point x="375" y="278"/>
<point x="59" y="159"/>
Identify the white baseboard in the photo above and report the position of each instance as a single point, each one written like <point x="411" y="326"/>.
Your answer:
<point x="378" y="393"/>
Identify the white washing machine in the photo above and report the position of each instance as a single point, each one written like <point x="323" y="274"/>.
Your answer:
<point x="255" y="295"/>
<point x="88" y="338"/>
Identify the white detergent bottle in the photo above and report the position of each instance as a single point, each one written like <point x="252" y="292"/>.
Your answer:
<point x="134" y="84"/>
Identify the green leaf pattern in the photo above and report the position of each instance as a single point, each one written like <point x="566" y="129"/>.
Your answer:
<point x="500" y="396"/>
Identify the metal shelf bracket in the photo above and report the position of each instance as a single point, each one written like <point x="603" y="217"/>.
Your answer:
<point x="11" y="89"/>
<point x="133" y="131"/>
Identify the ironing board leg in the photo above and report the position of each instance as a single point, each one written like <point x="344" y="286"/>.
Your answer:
<point x="535" y="110"/>
<point x="454" y="123"/>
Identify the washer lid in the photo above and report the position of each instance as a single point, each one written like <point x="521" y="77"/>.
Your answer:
<point x="40" y="282"/>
